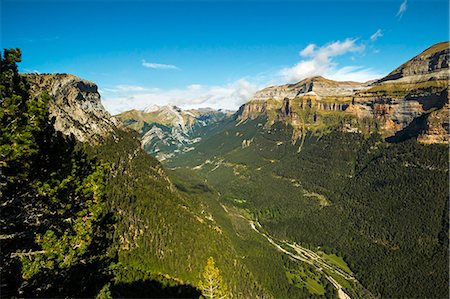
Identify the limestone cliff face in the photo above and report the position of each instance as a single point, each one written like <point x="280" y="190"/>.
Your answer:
<point x="255" y="108"/>
<point x="395" y="113"/>
<point x="317" y="86"/>
<point x="433" y="62"/>
<point x="413" y="90"/>
<point x="411" y="100"/>
<point x="437" y="127"/>
<point x="75" y="105"/>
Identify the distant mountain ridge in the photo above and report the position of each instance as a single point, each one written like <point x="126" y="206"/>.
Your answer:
<point x="431" y="63"/>
<point x="168" y="129"/>
<point x="411" y="101"/>
<point x="318" y="86"/>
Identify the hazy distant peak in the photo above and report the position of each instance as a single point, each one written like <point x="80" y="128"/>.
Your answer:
<point x="151" y="108"/>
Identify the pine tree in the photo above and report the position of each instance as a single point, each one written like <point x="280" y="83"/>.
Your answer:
<point x="53" y="220"/>
<point x="212" y="285"/>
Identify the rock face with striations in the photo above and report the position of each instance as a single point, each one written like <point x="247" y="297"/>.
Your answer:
<point x="431" y="63"/>
<point x="75" y="105"/>
<point x="318" y="86"/>
<point x="411" y="101"/>
<point x="403" y="100"/>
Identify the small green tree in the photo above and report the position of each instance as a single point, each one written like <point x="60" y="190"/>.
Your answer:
<point x="212" y="285"/>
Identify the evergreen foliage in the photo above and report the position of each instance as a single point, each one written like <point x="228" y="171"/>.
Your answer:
<point x="53" y="222"/>
<point x="162" y="230"/>
<point x="212" y="285"/>
<point x="381" y="206"/>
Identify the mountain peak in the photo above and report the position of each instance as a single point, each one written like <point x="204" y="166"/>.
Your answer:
<point x="325" y="81"/>
<point x="76" y="106"/>
<point x="433" y="62"/>
<point x="164" y="108"/>
<point x="438" y="47"/>
<point x="411" y="101"/>
<point x="151" y="108"/>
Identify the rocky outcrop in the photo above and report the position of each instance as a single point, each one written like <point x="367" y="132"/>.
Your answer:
<point x="411" y="100"/>
<point x="413" y="90"/>
<point x="433" y="62"/>
<point x="437" y="127"/>
<point x="256" y="108"/>
<point x="75" y="105"/>
<point x="391" y="114"/>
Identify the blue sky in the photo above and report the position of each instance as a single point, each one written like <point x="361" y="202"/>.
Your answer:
<point x="215" y="53"/>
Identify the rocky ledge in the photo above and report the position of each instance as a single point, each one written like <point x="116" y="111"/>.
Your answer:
<point x="411" y="101"/>
<point x="75" y="105"/>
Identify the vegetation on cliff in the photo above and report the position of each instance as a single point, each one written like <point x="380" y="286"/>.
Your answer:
<point x="80" y="220"/>
<point x="53" y="218"/>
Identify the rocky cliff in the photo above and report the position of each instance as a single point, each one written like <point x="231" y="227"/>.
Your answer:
<point x="437" y="126"/>
<point x="75" y="106"/>
<point x="407" y="96"/>
<point x="411" y="101"/>
<point x="317" y="86"/>
<point x="431" y="63"/>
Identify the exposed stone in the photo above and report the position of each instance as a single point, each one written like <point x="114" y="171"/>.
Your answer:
<point x="255" y="108"/>
<point x="415" y="90"/>
<point x="75" y="105"/>
<point x="437" y="127"/>
<point x="169" y="129"/>
<point x="315" y="86"/>
<point x="433" y="62"/>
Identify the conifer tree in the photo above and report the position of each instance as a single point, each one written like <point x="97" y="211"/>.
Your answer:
<point x="212" y="285"/>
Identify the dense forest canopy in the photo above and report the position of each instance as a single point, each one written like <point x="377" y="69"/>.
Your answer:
<point x="381" y="206"/>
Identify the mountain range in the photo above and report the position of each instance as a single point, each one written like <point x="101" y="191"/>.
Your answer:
<point x="318" y="189"/>
<point x="411" y="101"/>
<point x="168" y="130"/>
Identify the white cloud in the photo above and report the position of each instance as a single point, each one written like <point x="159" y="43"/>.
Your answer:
<point x="354" y="73"/>
<point x="376" y="35"/>
<point x="153" y="65"/>
<point x="194" y="87"/>
<point x="402" y="8"/>
<point x="319" y="62"/>
<point x="228" y="96"/>
<point x="315" y="60"/>
<point x="309" y="50"/>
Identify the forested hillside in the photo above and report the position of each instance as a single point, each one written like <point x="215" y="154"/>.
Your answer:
<point x="358" y="170"/>
<point x="381" y="206"/>
<point x="103" y="219"/>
